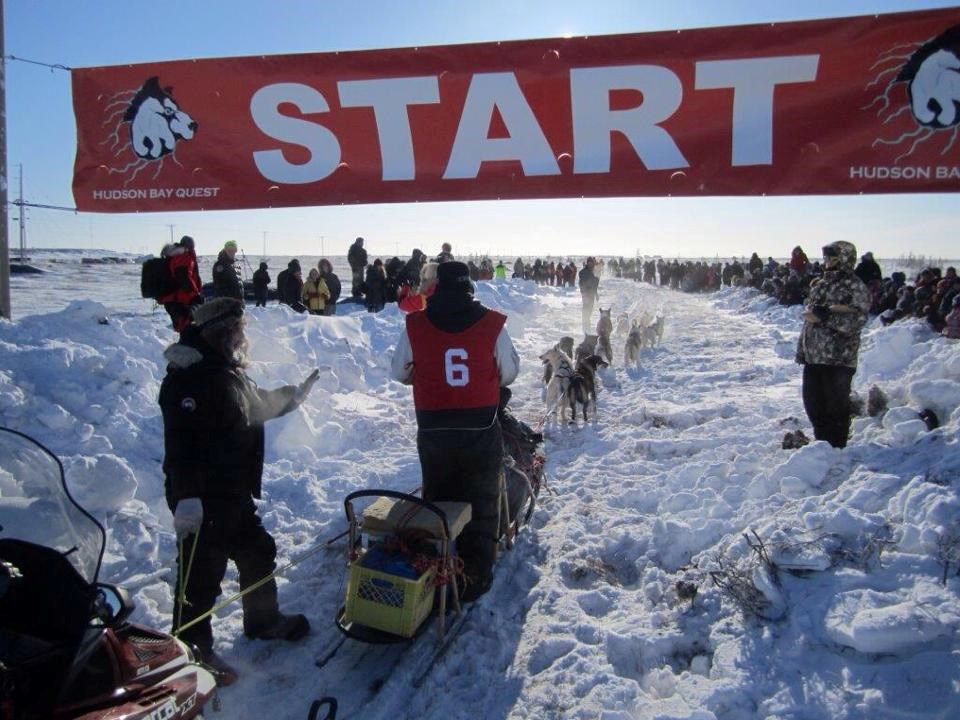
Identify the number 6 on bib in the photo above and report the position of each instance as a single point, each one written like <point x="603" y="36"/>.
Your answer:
<point x="457" y="373"/>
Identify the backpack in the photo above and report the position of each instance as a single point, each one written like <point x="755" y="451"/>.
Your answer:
<point x="156" y="279"/>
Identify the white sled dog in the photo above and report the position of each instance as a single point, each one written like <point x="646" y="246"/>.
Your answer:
<point x="561" y="373"/>
<point x="633" y="346"/>
<point x="565" y="346"/>
<point x="604" y="331"/>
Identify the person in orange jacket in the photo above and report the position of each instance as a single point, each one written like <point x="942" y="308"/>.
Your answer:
<point x="410" y="301"/>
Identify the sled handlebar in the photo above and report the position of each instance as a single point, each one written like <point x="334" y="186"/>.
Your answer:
<point x="397" y="495"/>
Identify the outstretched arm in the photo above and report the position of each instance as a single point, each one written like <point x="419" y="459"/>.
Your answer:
<point x="508" y="361"/>
<point x="401" y="367"/>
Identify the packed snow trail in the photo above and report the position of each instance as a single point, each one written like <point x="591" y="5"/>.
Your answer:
<point x="585" y="618"/>
<point x="659" y="430"/>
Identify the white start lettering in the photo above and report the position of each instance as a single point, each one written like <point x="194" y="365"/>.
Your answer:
<point x="753" y="82"/>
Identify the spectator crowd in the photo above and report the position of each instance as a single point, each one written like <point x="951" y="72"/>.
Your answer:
<point x="933" y="294"/>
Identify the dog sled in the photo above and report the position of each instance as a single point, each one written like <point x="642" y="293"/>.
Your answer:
<point x="403" y="572"/>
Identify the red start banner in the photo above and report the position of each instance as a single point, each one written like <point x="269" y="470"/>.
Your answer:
<point x="852" y="105"/>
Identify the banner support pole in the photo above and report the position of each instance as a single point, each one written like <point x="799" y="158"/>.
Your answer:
<point x="5" y="311"/>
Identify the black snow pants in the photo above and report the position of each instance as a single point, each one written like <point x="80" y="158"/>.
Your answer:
<point x="231" y="531"/>
<point x="826" y="398"/>
<point x="356" y="285"/>
<point x="465" y="466"/>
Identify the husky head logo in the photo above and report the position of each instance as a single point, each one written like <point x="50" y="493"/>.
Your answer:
<point x="933" y="74"/>
<point x="156" y="121"/>
<point x="141" y="129"/>
<point x="931" y="71"/>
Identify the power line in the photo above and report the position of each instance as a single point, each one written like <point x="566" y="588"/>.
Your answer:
<point x="56" y="66"/>
<point x="24" y="203"/>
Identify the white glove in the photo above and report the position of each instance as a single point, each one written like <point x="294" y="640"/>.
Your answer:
<point x="188" y="517"/>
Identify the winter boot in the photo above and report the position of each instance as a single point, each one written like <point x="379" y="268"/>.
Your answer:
<point x="223" y="673"/>
<point x="476" y="585"/>
<point x="281" y="627"/>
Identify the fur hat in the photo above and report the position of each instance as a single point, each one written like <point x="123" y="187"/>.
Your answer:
<point x="428" y="272"/>
<point x="845" y="252"/>
<point x="217" y="310"/>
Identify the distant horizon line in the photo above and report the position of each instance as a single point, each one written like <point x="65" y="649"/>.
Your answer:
<point x="909" y="256"/>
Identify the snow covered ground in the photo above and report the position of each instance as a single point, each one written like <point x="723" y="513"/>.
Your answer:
<point x="840" y="612"/>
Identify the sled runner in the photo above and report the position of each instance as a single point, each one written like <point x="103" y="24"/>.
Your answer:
<point x="66" y="648"/>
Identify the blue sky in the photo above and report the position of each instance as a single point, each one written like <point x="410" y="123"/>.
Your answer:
<point x="41" y="134"/>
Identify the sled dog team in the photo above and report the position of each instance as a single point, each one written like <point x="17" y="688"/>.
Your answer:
<point x="570" y="383"/>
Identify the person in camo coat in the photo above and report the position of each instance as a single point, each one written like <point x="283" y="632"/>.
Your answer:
<point x="834" y="314"/>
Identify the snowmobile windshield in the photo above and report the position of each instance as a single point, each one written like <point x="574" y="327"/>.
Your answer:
<point x="36" y="506"/>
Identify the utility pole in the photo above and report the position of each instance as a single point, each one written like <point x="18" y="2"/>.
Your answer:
<point x="264" y="244"/>
<point x="323" y="253"/>
<point x="22" y="219"/>
<point x="4" y="230"/>
<point x="171" y="233"/>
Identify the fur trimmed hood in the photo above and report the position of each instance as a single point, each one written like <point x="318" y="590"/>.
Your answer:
<point x="182" y="356"/>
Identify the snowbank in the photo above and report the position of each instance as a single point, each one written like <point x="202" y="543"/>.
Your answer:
<point x="682" y="566"/>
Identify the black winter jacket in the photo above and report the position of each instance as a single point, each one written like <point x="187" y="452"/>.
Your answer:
<point x="333" y="285"/>
<point x="357" y="257"/>
<point x="289" y="287"/>
<point x="375" y="287"/>
<point x="226" y="278"/>
<point x="261" y="279"/>
<point x="589" y="283"/>
<point x="213" y="417"/>
<point x="868" y="271"/>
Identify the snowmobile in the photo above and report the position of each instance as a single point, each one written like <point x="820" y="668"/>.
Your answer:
<point x="66" y="647"/>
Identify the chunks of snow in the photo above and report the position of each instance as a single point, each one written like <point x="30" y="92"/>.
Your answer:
<point x="878" y="622"/>
<point x="805" y="470"/>
<point x="941" y="396"/>
<point x="102" y="483"/>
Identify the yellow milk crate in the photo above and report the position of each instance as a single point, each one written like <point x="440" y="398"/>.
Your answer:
<point x="388" y="602"/>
